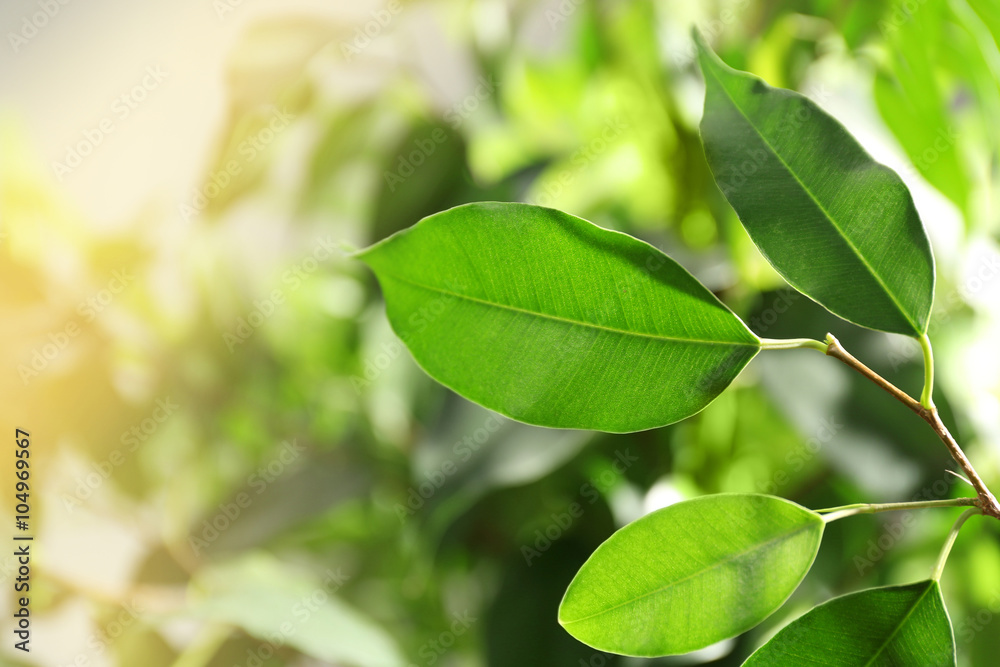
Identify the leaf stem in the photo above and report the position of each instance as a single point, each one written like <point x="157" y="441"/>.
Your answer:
<point x="950" y="542"/>
<point x="987" y="502"/>
<point x="836" y="350"/>
<point x="792" y="343"/>
<point x="834" y="513"/>
<point x="927" y="396"/>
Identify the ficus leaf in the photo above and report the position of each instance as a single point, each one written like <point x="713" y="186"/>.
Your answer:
<point x="691" y="574"/>
<point x="879" y="627"/>
<point x="549" y="319"/>
<point x="837" y="225"/>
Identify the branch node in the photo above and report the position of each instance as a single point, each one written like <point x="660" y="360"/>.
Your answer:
<point x="987" y="502"/>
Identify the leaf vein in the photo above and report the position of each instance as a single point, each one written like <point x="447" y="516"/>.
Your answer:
<point x="565" y="320"/>
<point x="819" y="205"/>
<point x="714" y="566"/>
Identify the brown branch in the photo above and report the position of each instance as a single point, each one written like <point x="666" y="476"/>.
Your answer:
<point x="987" y="502"/>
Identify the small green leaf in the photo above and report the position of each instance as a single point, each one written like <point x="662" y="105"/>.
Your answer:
<point x="549" y="319"/>
<point x="691" y="574"/>
<point x="837" y="225"/>
<point x="879" y="627"/>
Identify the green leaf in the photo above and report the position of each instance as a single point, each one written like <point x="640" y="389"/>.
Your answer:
<point x="913" y="106"/>
<point x="691" y="574"/>
<point x="838" y="226"/>
<point x="896" y="625"/>
<point x="549" y="319"/>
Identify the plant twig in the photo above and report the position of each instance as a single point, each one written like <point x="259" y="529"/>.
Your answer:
<point x="946" y="549"/>
<point x="987" y="502"/>
<point x="834" y="513"/>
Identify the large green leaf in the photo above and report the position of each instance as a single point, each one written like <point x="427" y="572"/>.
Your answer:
<point x="838" y="226"/>
<point x="879" y="627"/>
<point x="549" y="319"/>
<point x="691" y="574"/>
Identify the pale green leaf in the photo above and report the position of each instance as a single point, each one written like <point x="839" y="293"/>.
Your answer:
<point x="879" y="627"/>
<point x="691" y="574"/>
<point x="282" y="605"/>
<point x="549" y="319"/>
<point x="838" y="226"/>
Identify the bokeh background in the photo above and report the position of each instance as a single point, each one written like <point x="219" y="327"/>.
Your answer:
<point x="236" y="462"/>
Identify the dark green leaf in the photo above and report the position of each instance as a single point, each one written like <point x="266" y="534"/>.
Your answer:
<point x="549" y="319"/>
<point x="691" y="574"/>
<point x="879" y="627"/>
<point x="838" y="226"/>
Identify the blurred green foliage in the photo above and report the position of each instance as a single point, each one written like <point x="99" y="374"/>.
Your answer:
<point x="444" y="524"/>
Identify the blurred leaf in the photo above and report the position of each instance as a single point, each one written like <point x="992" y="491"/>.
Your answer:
<point x="858" y="19"/>
<point x="283" y="492"/>
<point x="268" y="86"/>
<point x="346" y="135"/>
<point x="838" y="226"/>
<point x="914" y="103"/>
<point x="691" y="574"/>
<point x="283" y="606"/>
<point x="989" y="12"/>
<point x="139" y="645"/>
<point x="554" y="321"/>
<point x="272" y="56"/>
<point x="476" y="452"/>
<point x="880" y="627"/>
<point x="520" y="630"/>
<point x="243" y="160"/>
<point x="425" y="174"/>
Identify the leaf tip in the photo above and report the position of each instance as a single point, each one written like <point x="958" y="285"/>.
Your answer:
<point x="705" y="52"/>
<point x="699" y="39"/>
<point x="349" y="249"/>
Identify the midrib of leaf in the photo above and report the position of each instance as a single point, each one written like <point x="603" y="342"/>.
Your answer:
<point x="714" y="566"/>
<point x="565" y="320"/>
<point x="818" y="204"/>
<point x="899" y="627"/>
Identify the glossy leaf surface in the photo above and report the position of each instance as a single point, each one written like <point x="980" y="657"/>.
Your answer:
<point x="691" y="574"/>
<point x="549" y="319"/>
<point x="879" y="627"/>
<point x="837" y="225"/>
